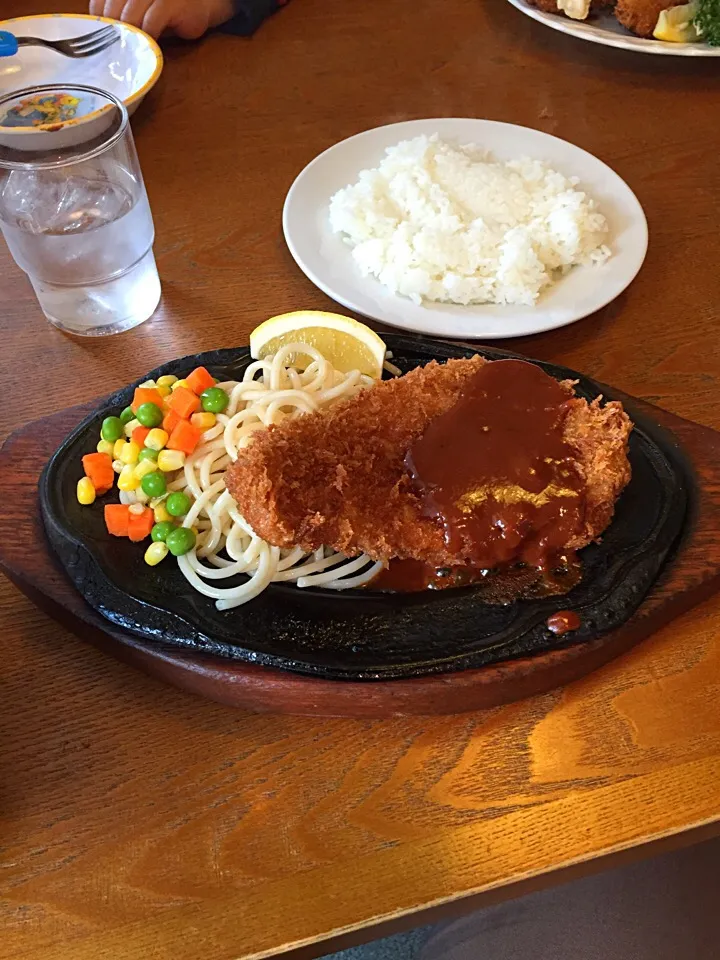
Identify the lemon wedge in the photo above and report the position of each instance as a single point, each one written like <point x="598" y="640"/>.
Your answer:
<point x="676" y="24"/>
<point x="344" y="342"/>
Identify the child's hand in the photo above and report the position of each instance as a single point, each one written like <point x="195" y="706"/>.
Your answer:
<point x="186" y="18"/>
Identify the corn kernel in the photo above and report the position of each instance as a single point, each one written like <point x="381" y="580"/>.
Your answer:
<point x="156" y="439"/>
<point x="203" y="421"/>
<point x="161" y="514"/>
<point x="167" y="381"/>
<point x="145" y="467"/>
<point x="105" y="447"/>
<point x="155" y="553"/>
<point x="137" y="508"/>
<point x="127" y="497"/>
<point x="127" y="479"/>
<point x="130" y="452"/>
<point x="141" y="496"/>
<point x="149" y="384"/>
<point x="156" y="501"/>
<point x="180" y="383"/>
<point x="169" y="460"/>
<point x="117" y="449"/>
<point x="85" y="491"/>
<point x="130" y="426"/>
<point x="117" y="465"/>
<point x="164" y="391"/>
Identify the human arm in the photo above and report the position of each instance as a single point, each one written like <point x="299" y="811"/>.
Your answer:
<point x="188" y="19"/>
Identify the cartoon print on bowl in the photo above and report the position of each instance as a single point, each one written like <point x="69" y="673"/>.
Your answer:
<point x="41" y="110"/>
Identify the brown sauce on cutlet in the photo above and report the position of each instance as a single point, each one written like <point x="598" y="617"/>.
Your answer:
<point x="497" y="474"/>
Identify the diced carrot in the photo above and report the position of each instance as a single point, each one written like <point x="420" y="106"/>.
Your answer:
<point x="184" y="402"/>
<point x="98" y="467"/>
<point x="139" y="434"/>
<point x="140" y="524"/>
<point x="146" y="395"/>
<point x="171" y="420"/>
<point x="184" y="437"/>
<point x="117" y="518"/>
<point x="200" y="379"/>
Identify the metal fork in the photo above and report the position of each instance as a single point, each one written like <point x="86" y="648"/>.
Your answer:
<point x="86" y="46"/>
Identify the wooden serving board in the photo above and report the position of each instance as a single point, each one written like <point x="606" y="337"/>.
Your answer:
<point x="27" y="560"/>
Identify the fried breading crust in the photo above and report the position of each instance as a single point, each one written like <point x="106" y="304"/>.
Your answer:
<point x="640" y="16"/>
<point x="337" y="477"/>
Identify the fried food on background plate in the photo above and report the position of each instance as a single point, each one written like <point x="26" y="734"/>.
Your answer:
<point x="575" y="9"/>
<point x="640" y="16"/>
<point x="547" y="6"/>
<point x="338" y="477"/>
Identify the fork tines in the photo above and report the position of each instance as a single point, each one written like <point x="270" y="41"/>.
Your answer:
<point x="93" y="42"/>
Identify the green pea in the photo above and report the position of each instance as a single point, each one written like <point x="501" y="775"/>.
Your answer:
<point x="149" y="415"/>
<point x="178" y="504"/>
<point x="180" y="540"/>
<point x="112" y="429"/>
<point x="127" y="415"/>
<point x="147" y="454"/>
<point x="214" y="399"/>
<point x="160" y="531"/>
<point x="154" y="484"/>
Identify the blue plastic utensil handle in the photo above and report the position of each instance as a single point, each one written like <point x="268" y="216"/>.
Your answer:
<point x="8" y="44"/>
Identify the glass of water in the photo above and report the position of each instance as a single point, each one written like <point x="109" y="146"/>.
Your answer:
<point x="73" y="208"/>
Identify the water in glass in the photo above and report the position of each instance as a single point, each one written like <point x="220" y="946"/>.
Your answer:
<point x="86" y="244"/>
<point x="75" y="213"/>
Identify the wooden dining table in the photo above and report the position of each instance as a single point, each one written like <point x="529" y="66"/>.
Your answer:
<point x="139" y="822"/>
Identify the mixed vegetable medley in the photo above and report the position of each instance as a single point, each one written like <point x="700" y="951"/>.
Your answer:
<point x="143" y="449"/>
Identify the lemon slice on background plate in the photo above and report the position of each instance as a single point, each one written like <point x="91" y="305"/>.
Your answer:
<point x="346" y="343"/>
<point x="676" y="24"/>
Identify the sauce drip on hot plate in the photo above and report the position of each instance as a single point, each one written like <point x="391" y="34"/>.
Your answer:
<point x="563" y="622"/>
<point x="498" y="586"/>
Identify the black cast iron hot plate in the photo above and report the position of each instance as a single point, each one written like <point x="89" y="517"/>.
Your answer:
<point x="360" y="634"/>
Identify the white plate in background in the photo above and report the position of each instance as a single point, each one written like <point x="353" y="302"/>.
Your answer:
<point x="327" y="260"/>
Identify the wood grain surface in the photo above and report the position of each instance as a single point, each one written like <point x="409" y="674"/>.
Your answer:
<point x="140" y="823"/>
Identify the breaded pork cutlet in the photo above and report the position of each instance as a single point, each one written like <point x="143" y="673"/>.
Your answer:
<point x="338" y="477"/>
<point x="640" y="16"/>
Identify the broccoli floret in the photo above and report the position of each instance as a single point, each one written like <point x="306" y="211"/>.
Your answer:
<point x="707" y="21"/>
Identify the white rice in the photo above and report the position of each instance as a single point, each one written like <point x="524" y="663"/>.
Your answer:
<point x="440" y="222"/>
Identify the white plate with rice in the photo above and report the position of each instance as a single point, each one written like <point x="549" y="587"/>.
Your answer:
<point x="495" y="221"/>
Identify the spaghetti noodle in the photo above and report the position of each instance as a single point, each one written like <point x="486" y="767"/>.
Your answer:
<point x="271" y="391"/>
